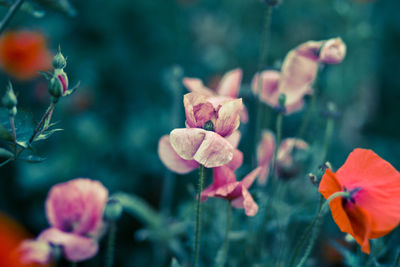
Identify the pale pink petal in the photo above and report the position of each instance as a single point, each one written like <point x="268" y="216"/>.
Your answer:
<point x="172" y="160"/>
<point x="236" y="161"/>
<point x="228" y="117"/>
<point x="221" y="177"/>
<point x="227" y="191"/>
<point x="230" y="83"/>
<point x="197" y="109"/>
<point x="247" y="202"/>
<point x="244" y="116"/>
<point x="250" y="178"/>
<point x="265" y="154"/>
<point x="214" y="151"/>
<point x="75" y="247"/>
<point x="295" y="106"/>
<point x="186" y="141"/>
<point x="234" y="138"/>
<point x="35" y="251"/>
<point x="196" y="85"/>
<point x="285" y="152"/>
<point x="269" y="87"/>
<point x="333" y="51"/>
<point x="206" y="147"/>
<point x="77" y="206"/>
<point x="310" y="49"/>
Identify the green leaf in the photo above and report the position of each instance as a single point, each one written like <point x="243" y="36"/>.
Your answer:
<point x="46" y="134"/>
<point x="4" y="153"/>
<point x="5" y="134"/>
<point x="62" y="6"/>
<point x="174" y="263"/>
<point x="23" y="125"/>
<point x="138" y="208"/>
<point x="32" y="159"/>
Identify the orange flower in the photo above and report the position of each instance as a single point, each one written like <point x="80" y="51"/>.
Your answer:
<point x="23" y="54"/>
<point x="11" y="235"/>
<point x="373" y="209"/>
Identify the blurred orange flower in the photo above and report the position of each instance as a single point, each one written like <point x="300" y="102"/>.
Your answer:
<point x="11" y="235"/>
<point x="373" y="209"/>
<point x="23" y="54"/>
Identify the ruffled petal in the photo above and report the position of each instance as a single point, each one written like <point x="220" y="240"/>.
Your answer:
<point x="269" y="88"/>
<point x="234" y="138"/>
<point x="197" y="110"/>
<point x="230" y="83"/>
<point x="186" y="141"/>
<point x="250" y="178"/>
<point x="228" y="117"/>
<point x="196" y="85"/>
<point x="172" y="160"/>
<point x="223" y="177"/>
<point x="75" y="247"/>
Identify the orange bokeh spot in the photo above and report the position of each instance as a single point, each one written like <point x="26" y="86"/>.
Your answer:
<point x="23" y="54"/>
<point x="11" y="235"/>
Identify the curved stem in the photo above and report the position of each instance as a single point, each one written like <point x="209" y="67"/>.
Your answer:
<point x="111" y="244"/>
<point x="307" y="116"/>
<point x="11" y="12"/>
<point x="198" y="213"/>
<point x="317" y="224"/>
<point x="261" y="64"/>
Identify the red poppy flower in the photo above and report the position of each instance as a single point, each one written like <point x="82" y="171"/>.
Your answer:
<point x="23" y="54"/>
<point x="373" y="209"/>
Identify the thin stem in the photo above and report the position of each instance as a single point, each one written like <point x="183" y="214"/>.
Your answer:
<point x="261" y="64"/>
<point x="14" y="134"/>
<point x="11" y="12"/>
<point x="109" y="261"/>
<point x="397" y="261"/>
<point x="317" y="224"/>
<point x="330" y="124"/>
<point x="46" y="116"/>
<point x="279" y="120"/>
<point x="198" y="213"/>
<point x="227" y="229"/>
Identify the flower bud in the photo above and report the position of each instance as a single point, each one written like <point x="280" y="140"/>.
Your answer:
<point x="58" y="84"/>
<point x="331" y="111"/>
<point x="9" y="100"/>
<point x="113" y="210"/>
<point x="282" y="100"/>
<point x="59" y="61"/>
<point x="333" y="51"/>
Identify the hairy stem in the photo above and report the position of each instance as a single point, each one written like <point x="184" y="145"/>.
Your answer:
<point x="46" y="116"/>
<point x="198" y="213"/>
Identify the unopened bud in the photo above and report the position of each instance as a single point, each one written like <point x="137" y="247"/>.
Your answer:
<point x="331" y="111"/>
<point x="9" y="100"/>
<point x="58" y="84"/>
<point x="59" y="61"/>
<point x="113" y="210"/>
<point x="282" y="100"/>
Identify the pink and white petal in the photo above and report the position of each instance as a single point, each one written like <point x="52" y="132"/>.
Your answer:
<point x="35" y="251"/>
<point x="76" y="248"/>
<point x="333" y="51"/>
<point x="269" y="88"/>
<point x="172" y="160"/>
<point x="234" y="138"/>
<point x="251" y="177"/>
<point x="236" y="161"/>
<point x="187" y="141"/>
<point x="197" y="109"/>
<point x="230" y="83"/>
<point x="294" y="106"/>
<point x="214" y="150"/>
<point x="244" y="116"/>
<point x="286" y="148"/>
<point x="227" y="117"/>
<point x="266" y="149"/>
<point x="247" y="202"/>
<point x="77" y="205"/>
<point x="196" y="85"/>
<point x="310" y="49"/>
<point x="227" y="191"/>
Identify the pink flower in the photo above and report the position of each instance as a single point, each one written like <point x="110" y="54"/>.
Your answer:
<point x="286" y="165"/>
<point x="227" y="89"/>
<point x="298" y="73"/>
<point x="75" y="212"/>
<point x="225" y="186"/>
<point x="178" y="164"/>
<point x="35" y="251"/>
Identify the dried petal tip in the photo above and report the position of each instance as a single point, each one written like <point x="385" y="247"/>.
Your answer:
<point x="59" y="61"/>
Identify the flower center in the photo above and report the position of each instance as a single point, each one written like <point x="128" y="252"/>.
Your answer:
<point x="350" y="199"/>
<point x="209" y="126"/>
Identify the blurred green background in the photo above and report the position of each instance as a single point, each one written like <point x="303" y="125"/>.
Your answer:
<point x="129" y="56"/>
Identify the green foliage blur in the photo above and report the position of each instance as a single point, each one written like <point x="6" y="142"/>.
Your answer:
<point x="130" y="55"/>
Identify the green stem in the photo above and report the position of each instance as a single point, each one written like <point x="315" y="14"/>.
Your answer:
<point x="14" y="134"/>
<point x="109" y="261"/>
<point x="279" y="120"/>
<point x="198" y="213"/>
<point x="45" y="116"/>
<point x="330" y="124"/>
<point x="307" y="116"/>
<point x="261" y="64"/>
<point x="317" y="224"/>
<point x="11" y="12"/>
<point x="397" y="261"/>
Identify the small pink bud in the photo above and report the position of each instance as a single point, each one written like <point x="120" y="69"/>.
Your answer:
<point x="333" y="51"/>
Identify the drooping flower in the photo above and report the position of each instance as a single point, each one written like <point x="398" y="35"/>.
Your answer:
<point x="286" y="165"/>
<point x="373" y="209"/>
<point x="23" y="54"/>
<point x="209" y="122"/>
<point x="226" y="186"/>
<point x="75" y="213"/>
<point x="228" y="89"/>
<point x="298" y="73"/>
